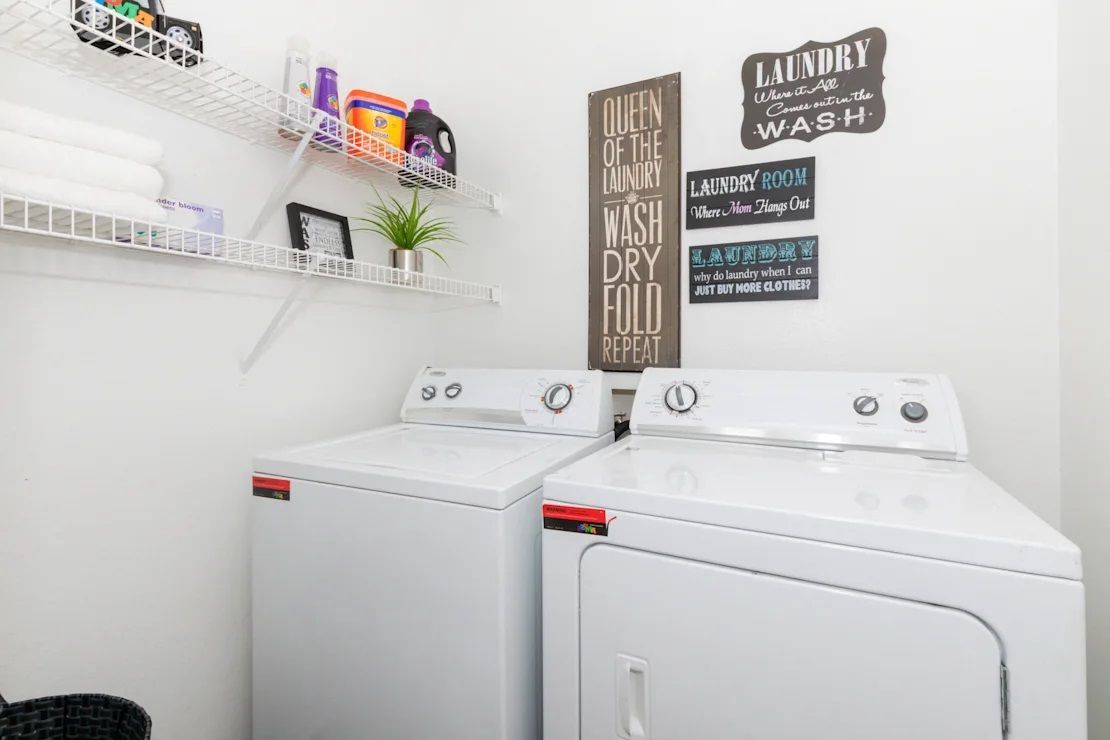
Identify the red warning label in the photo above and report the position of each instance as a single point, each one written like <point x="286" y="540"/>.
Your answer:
<point x="267" y="487"/>
<point x="580" y="519"/>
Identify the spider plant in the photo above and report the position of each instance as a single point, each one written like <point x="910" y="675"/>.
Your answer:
<point x="408" y="227"/>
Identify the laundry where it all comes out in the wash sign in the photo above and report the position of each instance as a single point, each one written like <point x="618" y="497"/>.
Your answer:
<point x="635" y="181"/>
<point x="816" y="89"/>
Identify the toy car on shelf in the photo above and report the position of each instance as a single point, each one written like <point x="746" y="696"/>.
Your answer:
<point x="94" y="19"/>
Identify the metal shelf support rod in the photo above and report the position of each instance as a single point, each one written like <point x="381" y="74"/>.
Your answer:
<point x="271" y="330"/>
<point x="286" y="176"/>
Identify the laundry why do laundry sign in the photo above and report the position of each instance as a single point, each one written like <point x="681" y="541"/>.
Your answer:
<point x="816" y="89"/>
<point x="751" y="194"/>
<point x="767" y="270"/>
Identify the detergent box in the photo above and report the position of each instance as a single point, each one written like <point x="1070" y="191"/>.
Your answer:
<point x="373" y="119"/>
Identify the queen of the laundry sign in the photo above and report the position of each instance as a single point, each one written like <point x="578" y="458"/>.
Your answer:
<point x="816" y="89"/>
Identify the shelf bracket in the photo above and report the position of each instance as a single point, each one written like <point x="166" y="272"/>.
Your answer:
<point x="275" y="323"/>
<point x="283" y="182"/>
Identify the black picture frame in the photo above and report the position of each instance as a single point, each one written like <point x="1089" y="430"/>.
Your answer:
<point x="301" y="219"/>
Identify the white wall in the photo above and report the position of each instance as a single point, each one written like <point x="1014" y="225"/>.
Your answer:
<point x="1084" y="345"/>
<point x="127" y="430"/>
<point x="938" y="232"/>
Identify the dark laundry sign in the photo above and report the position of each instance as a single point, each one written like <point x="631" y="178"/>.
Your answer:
<point x="767" y="270"/>
<point x="752" y="194"/>
<point x="635" y="185"/>
<point x="815" y="89"/>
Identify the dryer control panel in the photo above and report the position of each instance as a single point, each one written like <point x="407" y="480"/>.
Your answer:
<point x="889" y="412"/>
<point x="574" y="402"/>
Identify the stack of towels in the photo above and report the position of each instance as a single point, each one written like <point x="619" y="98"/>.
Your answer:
<point x="66" y="162"/>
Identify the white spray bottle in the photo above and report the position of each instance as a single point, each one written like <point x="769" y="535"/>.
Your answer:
<point x="298" y="86"/>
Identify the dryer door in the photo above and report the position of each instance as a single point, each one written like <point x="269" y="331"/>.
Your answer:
<point x="674" y="649"/>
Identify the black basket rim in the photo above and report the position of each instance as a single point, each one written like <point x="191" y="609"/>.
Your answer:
<point x="123" y="702"/>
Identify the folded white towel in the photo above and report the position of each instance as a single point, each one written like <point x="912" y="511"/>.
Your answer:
<point x="65" y="130"/>
<point x="65" y="162"/>
<point x="60" y="192"/>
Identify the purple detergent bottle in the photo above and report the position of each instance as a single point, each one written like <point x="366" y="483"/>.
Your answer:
<point x="429" y="139"/>
<point x="325" y="98"/>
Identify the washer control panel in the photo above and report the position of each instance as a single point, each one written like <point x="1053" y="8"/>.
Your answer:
<point x="575" y="402"/>
<point x="893" y="412"/>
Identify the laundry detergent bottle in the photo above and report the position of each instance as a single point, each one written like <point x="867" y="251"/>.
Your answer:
<point x="325" y="98"/>
<point x="429" y="139"/>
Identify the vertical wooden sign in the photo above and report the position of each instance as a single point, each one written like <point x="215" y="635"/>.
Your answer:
<point x="635" y="209"/>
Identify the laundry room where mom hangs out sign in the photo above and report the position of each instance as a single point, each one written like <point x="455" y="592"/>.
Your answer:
<point x="751" y="194"/>
<point x="816" y="89"/>
<point x="635" y="212"/>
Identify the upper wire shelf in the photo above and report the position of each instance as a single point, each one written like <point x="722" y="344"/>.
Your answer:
<point x="164" y="71"/>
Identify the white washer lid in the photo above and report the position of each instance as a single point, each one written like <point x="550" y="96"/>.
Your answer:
<point x="876" y="500"/>
<point x="479" y="467"/>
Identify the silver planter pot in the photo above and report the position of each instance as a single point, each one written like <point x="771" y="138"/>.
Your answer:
<point x="409" y="260"/>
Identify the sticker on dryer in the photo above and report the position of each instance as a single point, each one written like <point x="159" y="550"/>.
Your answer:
<point x="267" y="487"/>
<point x="575" y="519"/>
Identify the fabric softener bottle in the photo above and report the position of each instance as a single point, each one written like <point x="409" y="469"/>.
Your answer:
<point x="326" y="98"/>
<point x="429" y="139"/>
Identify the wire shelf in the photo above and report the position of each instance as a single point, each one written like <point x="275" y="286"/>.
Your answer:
<point x="20" y="214"/>
<point x="124" y="55"/>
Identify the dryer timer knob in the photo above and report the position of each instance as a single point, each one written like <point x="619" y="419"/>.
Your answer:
<point x="680" y="397"/>
<point x="914" y="412"/>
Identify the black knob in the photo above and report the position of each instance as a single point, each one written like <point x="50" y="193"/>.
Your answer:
<point x="453" y="390"/>
<point x="428" y="392"/>
<point x="914" y="412"/>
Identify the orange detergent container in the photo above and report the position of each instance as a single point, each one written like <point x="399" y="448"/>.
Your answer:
<point x="372" y="120"/>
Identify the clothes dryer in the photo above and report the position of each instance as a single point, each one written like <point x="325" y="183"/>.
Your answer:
<point x="803" y="555"/>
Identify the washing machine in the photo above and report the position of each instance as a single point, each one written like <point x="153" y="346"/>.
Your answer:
<point x="395" y="572"/>
<point x="779" y="556"/>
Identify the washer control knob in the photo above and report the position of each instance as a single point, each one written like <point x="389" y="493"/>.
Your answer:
<point x="866" y="405"/>
<point x="428" y="392"/>
<point x="680" y="397"/>
<point x="914" y="412"/>
<point x="558" y="397"/>
<point x="453" y="390"/>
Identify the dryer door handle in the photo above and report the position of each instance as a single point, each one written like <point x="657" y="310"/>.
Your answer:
<point x="633" y="712"/>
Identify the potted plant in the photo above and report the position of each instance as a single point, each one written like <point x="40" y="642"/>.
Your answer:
<point x="409" y="228"/>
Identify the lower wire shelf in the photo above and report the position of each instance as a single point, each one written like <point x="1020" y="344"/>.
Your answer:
<point x="26" y="215"/>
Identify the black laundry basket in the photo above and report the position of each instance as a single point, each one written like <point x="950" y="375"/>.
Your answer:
<point x="74" y="717"/>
